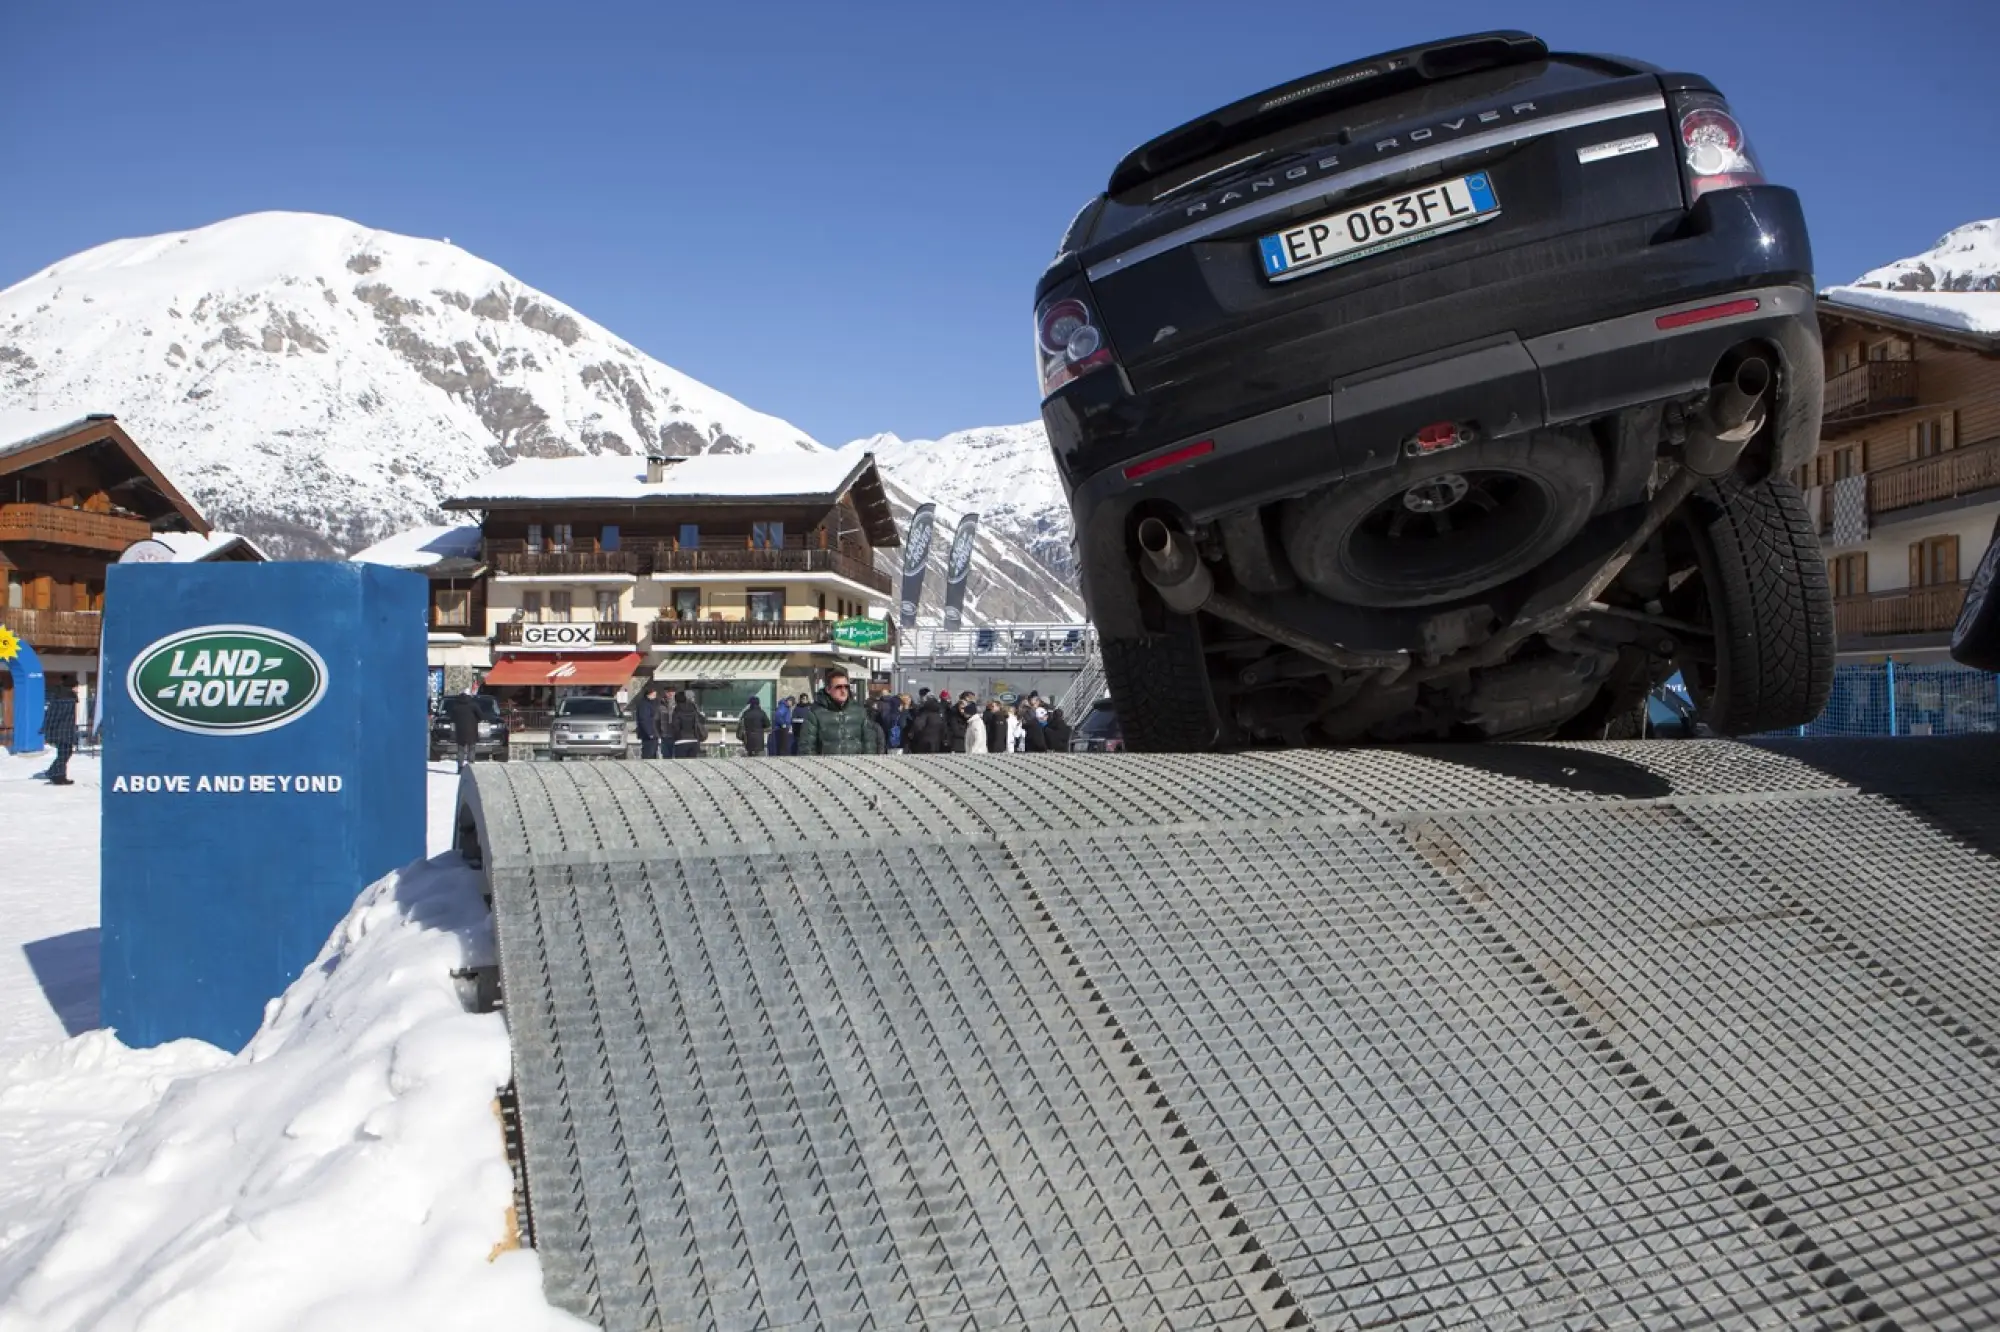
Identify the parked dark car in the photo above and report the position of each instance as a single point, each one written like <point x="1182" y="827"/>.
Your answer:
<point x="494" y="736"/>
<point x="1447" y="394"/>
<point x="1098" y="732"/>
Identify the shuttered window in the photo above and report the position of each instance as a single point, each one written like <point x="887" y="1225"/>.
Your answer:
<point x="1850" y="575"/>
<point x="1934" y="561"/>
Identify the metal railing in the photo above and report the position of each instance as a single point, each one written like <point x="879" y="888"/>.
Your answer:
<point x="1942" y="476"/>
<point x="1872" y="388"/>
<point x="55" y="628"/>
<point x="785" y="560"/>
<point x="1088" y="687"/>
<point x="63" y="526"/>
<point x="742" y="631"/>
<point x="620" y="632"/>
<point x="1916" y="610"/>
<point x="546" y="563"/>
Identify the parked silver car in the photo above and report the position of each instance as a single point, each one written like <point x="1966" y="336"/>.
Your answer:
<point x="588" y="726"/>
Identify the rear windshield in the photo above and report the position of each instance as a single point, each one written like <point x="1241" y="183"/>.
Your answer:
<point x="588" y="707"/>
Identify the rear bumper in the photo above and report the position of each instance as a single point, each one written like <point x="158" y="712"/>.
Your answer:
<point x="1506" y="384"/>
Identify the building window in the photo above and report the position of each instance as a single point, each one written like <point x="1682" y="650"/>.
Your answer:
<point x="1847" y="462"/>
<point x="559" y="538"/>
<point x="13" y="592"/>
<point x="1930" y="438"/>
<point x="1850" y="575"/>
<point x="454" y="608"/>
<point x="531" y="606"/>
<point x="690" y="537"/>
<point x="561" y="608"/>
<point x="535" y="538"/>
<point x="1934" y="562"/>
<point x="607" y="538"/>
<point x="766" y="604"/>
<point x="687" y="603"/>
<point x="607" y="606"/>
<point x="767" y="536"/>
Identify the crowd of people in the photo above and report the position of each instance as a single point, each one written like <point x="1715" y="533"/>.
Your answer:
<point x="671" y="725"/>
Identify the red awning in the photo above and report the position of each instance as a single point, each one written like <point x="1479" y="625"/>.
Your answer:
<point x="550" y="668"/>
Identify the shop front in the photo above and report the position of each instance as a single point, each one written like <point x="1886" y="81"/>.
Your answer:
<point x="530" y="684"/>
<point x="722" y="683"/>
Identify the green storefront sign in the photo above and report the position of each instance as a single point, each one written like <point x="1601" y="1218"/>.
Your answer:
<point x="861" y="633"/>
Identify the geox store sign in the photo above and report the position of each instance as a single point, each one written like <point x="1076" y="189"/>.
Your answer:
<point x="226" y="679"/>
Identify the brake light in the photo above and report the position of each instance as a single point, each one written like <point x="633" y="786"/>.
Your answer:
<point x="1068" y="343"/>
<point x="1715" y="152"/>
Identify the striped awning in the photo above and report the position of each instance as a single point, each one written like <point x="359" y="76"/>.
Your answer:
<point x="678" y="667"/>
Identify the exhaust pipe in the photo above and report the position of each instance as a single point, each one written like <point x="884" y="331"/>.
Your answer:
<point x="1174" y="568"/>
<point x="1735" y="413"/>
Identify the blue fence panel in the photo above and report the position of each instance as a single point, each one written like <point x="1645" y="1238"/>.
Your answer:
<point x="1897" y="698"/>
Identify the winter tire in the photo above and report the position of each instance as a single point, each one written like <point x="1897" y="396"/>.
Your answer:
<point x="1447" y="525"/>
<point x="1159" y="686"/>
<point x="1768" y="603"/>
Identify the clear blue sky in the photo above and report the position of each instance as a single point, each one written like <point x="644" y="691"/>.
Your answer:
<point x="836" y="211"/>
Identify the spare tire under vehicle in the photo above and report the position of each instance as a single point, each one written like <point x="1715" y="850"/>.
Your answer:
<point x="1447" y="525"/>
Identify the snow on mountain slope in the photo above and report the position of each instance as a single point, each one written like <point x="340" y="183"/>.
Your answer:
<point x="1002" y="473"/>
<point x="319" y="384"/>
<point x="1965" y="258"/>
<point x="1955" y="283"/>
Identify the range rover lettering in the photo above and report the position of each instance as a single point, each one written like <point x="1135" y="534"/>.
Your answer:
<point x="1448" y="394"/>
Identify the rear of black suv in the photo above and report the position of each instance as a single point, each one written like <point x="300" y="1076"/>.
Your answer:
<point x="1447" y="393"/>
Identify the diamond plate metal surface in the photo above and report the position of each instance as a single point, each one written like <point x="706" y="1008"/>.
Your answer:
<point x="1666" y="1035"/>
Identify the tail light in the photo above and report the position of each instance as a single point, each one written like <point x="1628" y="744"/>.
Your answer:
<point x="1715" y="152"/>
<point x="1069" y="344"/>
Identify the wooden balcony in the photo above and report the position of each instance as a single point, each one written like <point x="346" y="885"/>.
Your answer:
<point x="789" y="560"/>
<point x="60" y="526"/>
<point x="47" y="629"/>
<point x="1873" y="388"/>
<point x="1948" y="475"/>
<point x="614" y="633"/>
<point x="1916" y="610"/>
<point x="679" y="633"/>
<point x="555" y="563"/>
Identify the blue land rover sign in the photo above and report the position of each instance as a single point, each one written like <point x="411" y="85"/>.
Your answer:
<point x="226" y="679"/>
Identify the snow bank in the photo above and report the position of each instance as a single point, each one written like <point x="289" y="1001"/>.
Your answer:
<point x="346" y="1170"/>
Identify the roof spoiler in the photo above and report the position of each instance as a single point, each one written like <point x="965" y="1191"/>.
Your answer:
<point x="1316" y="94"/>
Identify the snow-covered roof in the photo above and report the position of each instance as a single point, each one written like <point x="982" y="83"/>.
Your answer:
<point x="194" y="548"/>
<point x="1960" y="311"/>
<point x="705" y="476"/>
<point x="422" y="547"/>
<point x="22" y="426"/>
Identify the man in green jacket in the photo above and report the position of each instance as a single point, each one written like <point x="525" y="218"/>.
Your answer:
<point x="837" y="724"/>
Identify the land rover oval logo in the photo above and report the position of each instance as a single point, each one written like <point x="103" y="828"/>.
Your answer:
<point x="226" y="679"/>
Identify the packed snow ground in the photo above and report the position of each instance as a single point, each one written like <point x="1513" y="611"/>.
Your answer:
<point x="345" y="1170"/>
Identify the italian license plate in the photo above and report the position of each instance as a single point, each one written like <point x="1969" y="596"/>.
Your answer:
<point x="1373" y="227"/>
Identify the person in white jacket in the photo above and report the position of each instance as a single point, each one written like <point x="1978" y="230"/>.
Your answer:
<point x="975" y="733"/>
<point x="1017" y="734"/>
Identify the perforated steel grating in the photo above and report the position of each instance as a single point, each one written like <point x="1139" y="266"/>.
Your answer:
<point x="1667" y="1035"/>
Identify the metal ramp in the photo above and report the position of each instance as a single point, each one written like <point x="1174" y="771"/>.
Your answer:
<point x="1674" y="1035"/>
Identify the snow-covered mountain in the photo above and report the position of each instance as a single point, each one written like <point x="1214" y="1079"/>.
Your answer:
<point x="1002" y="473"/>
<point x="1966" y="258"/>
<point x="318" y="384"/>
<point x="1955" y="283"/>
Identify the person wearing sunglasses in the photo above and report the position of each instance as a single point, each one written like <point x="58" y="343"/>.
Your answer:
<point x="837" y="724"/>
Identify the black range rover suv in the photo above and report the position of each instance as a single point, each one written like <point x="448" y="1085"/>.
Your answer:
<point x="1448" y="394"/>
